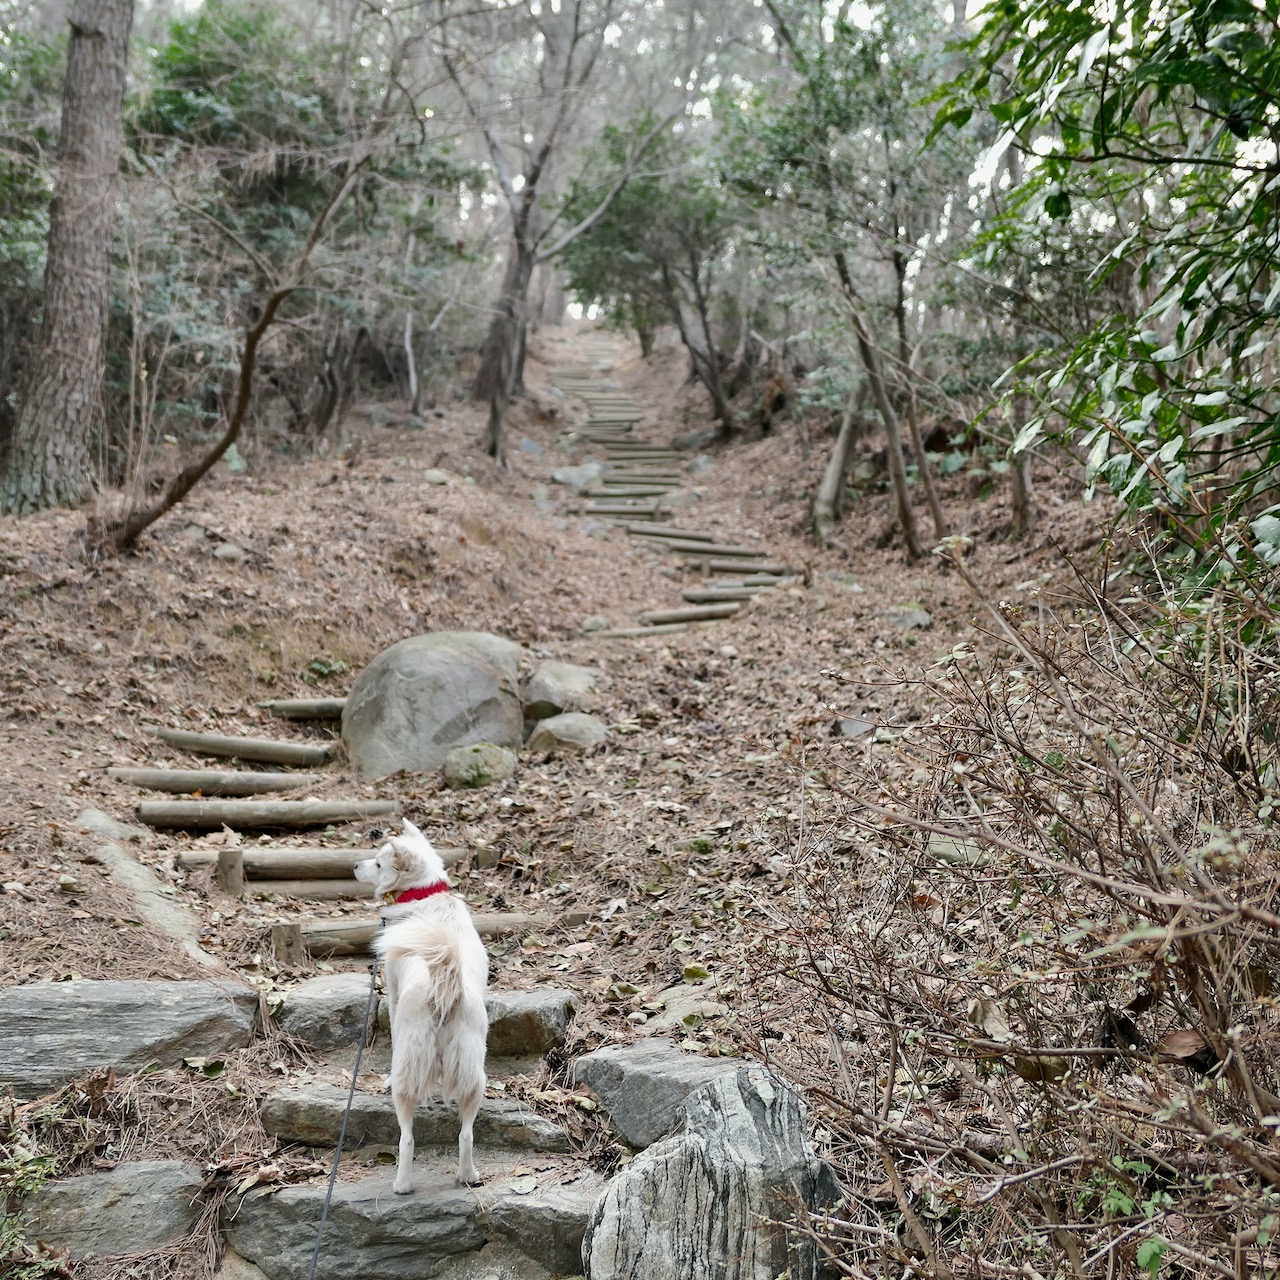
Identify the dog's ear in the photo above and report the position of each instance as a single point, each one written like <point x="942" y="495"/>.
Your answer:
<point x="402" y="859"/>
<point x="409" y="829"/>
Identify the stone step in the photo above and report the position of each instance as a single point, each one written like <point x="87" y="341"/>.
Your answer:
<point x="374" y="1234"/>
<point x="325" y="1013"/>
<point x="311" y="1114"/>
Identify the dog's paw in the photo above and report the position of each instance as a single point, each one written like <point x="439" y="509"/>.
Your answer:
<point x="474" y="1181"/>
<point x="403" y="1191"/>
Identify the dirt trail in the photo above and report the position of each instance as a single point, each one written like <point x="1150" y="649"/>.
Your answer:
<point x="669" y="841"/>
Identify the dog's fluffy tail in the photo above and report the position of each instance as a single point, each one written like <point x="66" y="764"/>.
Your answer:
<point x="441" y="1024"/>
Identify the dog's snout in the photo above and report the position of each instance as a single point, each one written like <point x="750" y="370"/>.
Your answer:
<point x="366" y="872"/>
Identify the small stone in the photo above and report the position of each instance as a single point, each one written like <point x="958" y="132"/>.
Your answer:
<point x="479" y="765"/>
<point x="728" y="651"/>
<point x="700" y="464"/>
<point x="564" y="734"/>
<point x="956" y="851"/>
<point x="234" y="460"/>
<point x="594" y="622"/>
<point x="234" y="1267"/>
<point x="696" y="439"/>
<point x="559" y="686"/>
<point x="136" y="1207"/>
<point x="908" y="617"/>
<point x="230" y="552"/>
<point x="433" y="475"/>
<point x="379" y="415"/>
<point x="580" y="477"/>
<point x="851" y="728"/>
<point x="531" y="447"/>
<point x="596" y="529"/>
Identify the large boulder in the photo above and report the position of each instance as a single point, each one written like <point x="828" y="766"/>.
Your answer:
<point x="133" y="1208"/>
<point x="424" y="696"/>
<point x="642" y="1085"/>
<point x="51" y="1032"/>
<point x="705" y="1204"/>
<point x="559" y="686"/>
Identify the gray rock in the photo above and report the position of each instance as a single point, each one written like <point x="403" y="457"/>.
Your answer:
<point x="527" y="1022"/>
<point x="594" y="622"/>
<point x="596" y="529"/>
<point x="583" y="476"/>
<point x="699" y="1204"/>
<point x="680" y="501"/>
<point x="234" y="1267"/>
<point x="379" y="415"/>
<point x="441" y="1230"/>
<point x="549" y="1224"/>
<point x="700" y="464"/>
<point x="480" y="765"/>
<point x="372" y="1233"/>
<point x="564" y="734"/>
<point x="694" y="440"/>
<point x="51" y="1032"/>
<point x="229" y="551"/>
<point x="642" y="1085"/>
<point x="851" y="728"/>
<point x="133" y="1208"/>
<point x="908" y="617"/>
<point x="424" y="696"/>
<point x="312" y="1114"/>
<point x="531" y="447"/>
<point x="559" y="686"/>
<point x="234" y="460"/>
<point x="433" y="475"/>
<point x="326" y="1012"/>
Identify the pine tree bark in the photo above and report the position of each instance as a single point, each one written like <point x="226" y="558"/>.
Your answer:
<point x="50" y="453"/>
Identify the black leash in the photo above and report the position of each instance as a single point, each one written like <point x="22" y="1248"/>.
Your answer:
<point x="346" y="1115"/>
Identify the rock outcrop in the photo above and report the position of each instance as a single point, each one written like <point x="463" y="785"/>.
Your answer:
<point x="555" y="687"/>
<point x="711" y="1201"/>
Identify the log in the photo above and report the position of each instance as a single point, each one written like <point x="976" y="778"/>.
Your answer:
<point x="286" y="944"/>
<point x="281" y="863"/>
<point x="213" y="782"/>
<point x="209" y="815"/>
<point x="634" y="491"/>
<point x="702" y="613"/>
<point x="618" y="509"/>
<point x="756" y="569"/>
<point x="316" y="890"/>
<point x="632" y="633"/>
<point x="306" y="708"/>
<point x="672" y="531"/>
<point x="301" y="754"/>
<point x="353" y="937"/>
<point x="714" y="595"/>
<point x="721" y="549"/>
<point x="828" y="500"/>
<point x="230" y="874"/>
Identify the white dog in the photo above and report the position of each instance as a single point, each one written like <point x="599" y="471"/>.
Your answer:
<point x="436" y="970"/>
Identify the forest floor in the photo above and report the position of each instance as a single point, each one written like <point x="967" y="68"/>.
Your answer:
<point x="675" y="837"/>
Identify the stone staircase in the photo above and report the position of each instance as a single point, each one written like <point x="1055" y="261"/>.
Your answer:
<point x="641" y="483"/>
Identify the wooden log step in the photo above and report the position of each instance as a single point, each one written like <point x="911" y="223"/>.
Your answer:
<point x="618" y="509"/>
<point x="630" y="491"/>
<point x="704" y="613"/>
<point x="619" y="475"/>
<point x="213" y="782"/>
<point x="756" y="568"/>
<point x="714" y="595"/>
<point x="724" y="549"/>
<point x="239" y="815"/>
<point x="266" y="862"/>
<point x="305" y="708"/>
<point x="615" y="456"/>
<point x="632" y="633"/>
<point x="354" y="937"/>
<point x="673" y="531"/>
<point x="315" y="890"/>
<point x="264" y="750"/>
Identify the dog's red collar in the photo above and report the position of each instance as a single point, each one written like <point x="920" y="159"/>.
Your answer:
<point x="416" y="895"/>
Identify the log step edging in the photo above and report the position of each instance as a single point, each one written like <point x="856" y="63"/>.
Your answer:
<point x="211" y="815"/>
<point x="703" y="613"/>
<point x="305" y="708"/>
<point x="266" y="862"/>
<point x="259" y="750"/>
<point x="213" y="782"/>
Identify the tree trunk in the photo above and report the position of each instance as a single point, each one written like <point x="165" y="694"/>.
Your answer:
<point x="828" y="500"/>
<point x="498" y="338"/>
<point x="500" y="361"/>
<point x="1022" y="497"/>
<point x="49" y="459"/>
<point x="907" y="374"/>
